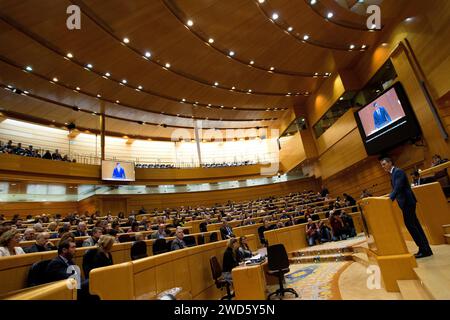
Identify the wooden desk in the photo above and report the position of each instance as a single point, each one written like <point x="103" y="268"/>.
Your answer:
<point x="250" y="281"/>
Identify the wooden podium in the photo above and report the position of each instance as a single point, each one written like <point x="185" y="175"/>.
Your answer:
<point x="386" y="243"/>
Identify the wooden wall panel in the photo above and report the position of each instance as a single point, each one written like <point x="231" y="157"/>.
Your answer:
<point x="336" y="132"/>
<point x="348" y="151"/>
<point x="37" y="208"/>
<point x="292" y="152"/>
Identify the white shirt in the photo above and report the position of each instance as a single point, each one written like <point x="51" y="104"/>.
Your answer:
<point x="4" y="252"/>
<point x="392" y="169"/>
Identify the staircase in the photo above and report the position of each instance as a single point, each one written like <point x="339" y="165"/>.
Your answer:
<point x="321" y="255"/>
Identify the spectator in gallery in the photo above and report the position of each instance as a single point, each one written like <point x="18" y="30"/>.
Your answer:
<point x="139" y="236"/>
<point x="365" y="194"/>
<point x="29" y="234"/>
<point x="47" y="155"/>
<point x="102" y="257"/>
<point x="437" y="160"/>
<point x="226" y="231"/>
<point x="9" y="243"/>
<point x="178" y="242"/>
<point x="324" y="192"/>
<point x="350" y="202"/>
<point x="134" y="227"/>
<point x="56" y="155"/>
<point x="337" y="226"/>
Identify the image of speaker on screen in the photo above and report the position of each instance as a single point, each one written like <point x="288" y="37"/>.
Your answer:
<point x="118" y="172"/>
<point x="380" y="116"/>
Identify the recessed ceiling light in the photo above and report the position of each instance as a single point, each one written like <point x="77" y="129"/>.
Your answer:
<point x="233" y="87"/>
<point x="313" y="2"/>
<point x="275" y="16"/>
<point x="99" y="96"/>
<point x="221" y="107"/>
<point x="124" y="81"/>
<point x="147" y="54"/>
<point x="55" y="79"/>
<point x="69" y="55"/>
<point x="190" y="23"/>
<point x="107" y="74"/>
<point x="28" y="68"/>
<point x="89" y="66"/>
<point x="25" y="91"/>
<point x="183" y="100"/>
<point x="231" y="53"/>
<point x="117" y="101"/>
<point x="341" y="98"/>
<point x="352" y="46"/>
<point x="330" y="15"/>
<point x="363" y="46"/>
<point x="234" y="108"/>
<point x="409" y="19"/>
<point x="216" y="83"/>
<point x="211" y="40"/>
<point x="126" y="40"/>
<point x="78" y="88"/>
<point x="290" y="29"/>
<point x="167" y="65"/>
<point x="305" y="37"/>
<point x="209" y="104"/>
<point x="252" y="62"/>
<point x="272" y="68"/>
<point x="140" y="87"/>
<point x="384" y="44"/>
<point x="261" y="1"/>
<point x="249" y="90"/>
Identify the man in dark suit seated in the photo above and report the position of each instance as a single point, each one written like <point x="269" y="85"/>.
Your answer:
<point x="61" y="267"/>
<point x="81" y="230"/>
<point x="178" y="242"/>
<point x="226" y="231"/>
<point x="42" y="244"/>
<point x="407" y="202"/>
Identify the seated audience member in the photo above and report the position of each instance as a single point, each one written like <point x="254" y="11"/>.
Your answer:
<point x="247" y="222"/>
<point x="81" y="230"/>
<point x="312" y="232"/>
<point x="244" y="251"/>
<point x="42" y="244"/>
<point x="324" y="232"/>
<point x="92" y="240"/>
<point x="160" y="233"/>
<point x="337" y="226"/>
<point x="437" y="160"/>
<point x="142" y="210"/>
<point x="116" y="226"/>
<point x="9" y="243"/>
<point x="134" y="227"/>
<point x="52" y="226"/>
<point x="38" y="227"/>
<point x="349" y="226"/>
<point x="115" y="234"/>
<point x="350" y="202"/>
<point x="230" y="259"/>
<point x="262" y="229"/>
<point x="59" y="267"/>
<point x="121" y="215"/>
<point x="138" y="236"/>
<point x="29" y="234"/>
<point x="226" y="231"/>
<point x="324" y="193"/>
<point x="64" y="229"/>
<point x="102" y="257"/>
<point x="56" y="155"/>
<point x="47" y="155"/>
<point x="178" y="242"/>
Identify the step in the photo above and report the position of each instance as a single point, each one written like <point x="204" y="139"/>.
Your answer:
<point x="435" y="280"/>
<point x="311" y="252"/>
<point x="446" y="228"/>
<point x="362" y="258"/>
<point x="348" y="256"/>
<point x="412" y="290"/>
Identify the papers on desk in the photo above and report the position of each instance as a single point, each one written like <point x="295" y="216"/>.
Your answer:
<point x="255" y="259"/>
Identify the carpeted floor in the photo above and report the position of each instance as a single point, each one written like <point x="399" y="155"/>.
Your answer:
<point x="317" y="281"/>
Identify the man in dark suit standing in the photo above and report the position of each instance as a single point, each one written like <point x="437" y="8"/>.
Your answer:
<point x="407" y="202"/>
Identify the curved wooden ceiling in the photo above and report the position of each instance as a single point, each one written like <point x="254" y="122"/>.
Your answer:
<point x="204" y="82"/>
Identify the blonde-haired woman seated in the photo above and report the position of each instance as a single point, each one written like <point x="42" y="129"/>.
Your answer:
<point x="102" y="257"/>
<point x="9" y="243"/>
